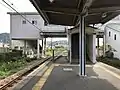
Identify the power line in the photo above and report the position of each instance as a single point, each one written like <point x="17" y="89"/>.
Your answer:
<point x="6" y="6"/>
<point x="21" y="15"/>
<point x="12" y="4"/>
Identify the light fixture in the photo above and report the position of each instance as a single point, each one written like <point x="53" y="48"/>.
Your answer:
<point x="51" y="1"/>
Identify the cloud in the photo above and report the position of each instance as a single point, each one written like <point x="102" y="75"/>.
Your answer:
<point x="20" y="5"/>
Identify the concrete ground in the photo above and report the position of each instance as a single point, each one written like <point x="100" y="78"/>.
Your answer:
<point x="65" y="77"/>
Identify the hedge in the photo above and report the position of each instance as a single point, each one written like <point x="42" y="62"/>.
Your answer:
<point x="10" y="55"/>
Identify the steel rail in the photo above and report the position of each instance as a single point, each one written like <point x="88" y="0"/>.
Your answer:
<point x="23" y="74"/>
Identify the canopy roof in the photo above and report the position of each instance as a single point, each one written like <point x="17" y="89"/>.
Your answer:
<point x="66" y="12"/>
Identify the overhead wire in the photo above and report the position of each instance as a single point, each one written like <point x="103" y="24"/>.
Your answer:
<point x="5" y="6"/>
<point x="12" y="4"/>
<point x="22" y="15"/>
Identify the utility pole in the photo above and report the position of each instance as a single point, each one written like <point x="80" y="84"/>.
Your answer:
<point x="51" y="43"/>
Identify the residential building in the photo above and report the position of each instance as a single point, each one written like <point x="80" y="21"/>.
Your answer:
<point x="112" y="38"/>
<point x="28" y="28"/>
<point x="24" y="32"/>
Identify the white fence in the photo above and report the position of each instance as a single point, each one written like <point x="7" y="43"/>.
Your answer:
<point x="4" y="49"/>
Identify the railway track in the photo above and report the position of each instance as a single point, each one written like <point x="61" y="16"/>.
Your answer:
<point x="19" y="77"/>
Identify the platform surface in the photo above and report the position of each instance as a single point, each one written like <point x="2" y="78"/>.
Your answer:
<point x="65" y="77"/>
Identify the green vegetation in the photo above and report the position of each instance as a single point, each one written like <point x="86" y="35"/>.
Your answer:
<point x="48" y="52"/>
<point x="110" y="61"/>
<point x="12" y="62"/>
<point x="10" y="55"/>
<point x="57" y="49"/>
<point x="8" y="68"/>
<point x="60" y="48"/>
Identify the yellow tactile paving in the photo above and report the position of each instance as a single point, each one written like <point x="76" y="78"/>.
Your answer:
<point x="43" y="79"/>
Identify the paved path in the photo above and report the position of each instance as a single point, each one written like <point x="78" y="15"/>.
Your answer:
<point x="66" y="78"/>
<point x="63" y="76"/>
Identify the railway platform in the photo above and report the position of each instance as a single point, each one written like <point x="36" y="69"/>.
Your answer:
<point x="64" y="76"/>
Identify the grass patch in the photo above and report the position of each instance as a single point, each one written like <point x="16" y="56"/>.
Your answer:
<point x="11" y="67"/>
<point x="8" y="68"/>
<point x="57" y="50"/>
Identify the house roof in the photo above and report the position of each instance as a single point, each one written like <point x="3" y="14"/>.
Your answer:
<point x="66" y="12"/>
<point x="23" y="13"/>
<point x="114" y="26"/>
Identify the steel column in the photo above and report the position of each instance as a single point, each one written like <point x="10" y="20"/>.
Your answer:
<point x="44" y="45"/>
<point x="25" y="43"/>
<point x="104" y="45"/>
<point x="51" y="43"/>
<point x="82" y="45"/>
<point x="98" y="47"/>
<point x="69" y="46"/>
<point x="38" y="48"/>
<point x="94" y="48"/>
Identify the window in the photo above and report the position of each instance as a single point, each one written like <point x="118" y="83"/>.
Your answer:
<point x="115" y="37"/>
<point x="21" y="48"/>
<point x="16" y="47"/>
<point x="109" y="33"/>
<point x="23" y="22"/>
<point x="34" y="22"/>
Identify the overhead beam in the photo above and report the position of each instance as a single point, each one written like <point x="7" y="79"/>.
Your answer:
<point x="110" y="17"/>
<point x="39" y="10"/>
<point x="59" y="12"/>
<point x="62" y="10"/>
<point x="86" y="6"/>
<point x="103" y="9"/>
<point x="78" y="6"/>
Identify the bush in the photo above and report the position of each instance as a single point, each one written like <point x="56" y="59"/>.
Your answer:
<point x="59" y="47"/>
<point x="8" y="68"/>
<point x="12" y="62"/>
<point x="28" y="59"/>
<point x="17" y="52"/>
<point x="2" y="57"/>
<point x="109" y="54"/>
<point x="14" y="55"/>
